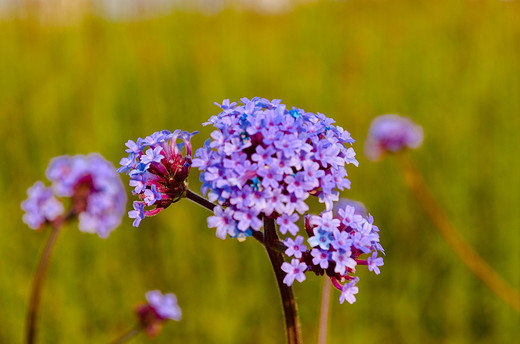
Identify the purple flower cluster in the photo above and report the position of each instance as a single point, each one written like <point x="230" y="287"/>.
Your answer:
<point x="391" y="134"/>
<point x="158" y="171"/>
<point x="337" y="244"/>
<point x="95" y="190"/>
<point x="266" y="160"/>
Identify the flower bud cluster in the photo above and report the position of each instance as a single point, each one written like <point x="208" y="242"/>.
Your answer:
<point x="158" y="171"/>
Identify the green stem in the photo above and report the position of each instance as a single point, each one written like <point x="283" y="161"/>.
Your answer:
<point x="289" y="305"/>
<point x="459" y="245"/>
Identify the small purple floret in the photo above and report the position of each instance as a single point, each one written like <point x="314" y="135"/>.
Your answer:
<point x="295" y="270"/>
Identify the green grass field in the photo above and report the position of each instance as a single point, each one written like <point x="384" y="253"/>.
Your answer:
<point x="452" y="66"/>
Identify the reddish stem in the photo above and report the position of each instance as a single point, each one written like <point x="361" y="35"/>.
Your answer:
<point x="39" y="277"/>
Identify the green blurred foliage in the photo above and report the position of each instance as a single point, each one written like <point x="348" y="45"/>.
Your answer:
<point x="453" y="66"/>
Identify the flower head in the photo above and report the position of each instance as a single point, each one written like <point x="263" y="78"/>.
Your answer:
<point x="266" y="160"/>
<point x="158" y="170"/>
<point x="94" y="189"/>
<point x="158" y="309"/>
<point x="341" y="243"/>
<point x="391" y="134"/>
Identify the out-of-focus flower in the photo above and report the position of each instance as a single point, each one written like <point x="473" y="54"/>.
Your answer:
<point x="391" y="134"/>
<point x="158" y="170"/>
<point x="41" y="206"/>
<point x="266" y="160"/>
<point x="158" y="309"/>
<point x="94" y="189"/>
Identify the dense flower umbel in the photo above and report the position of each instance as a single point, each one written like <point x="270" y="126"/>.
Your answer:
<point x="157" y="310"/>
<point x="337" y="245"/>
<point x="158" y="171"/>
<point x="266" y="160"/>
<point x="391" y="133"/>
<point x="96" y="193"/>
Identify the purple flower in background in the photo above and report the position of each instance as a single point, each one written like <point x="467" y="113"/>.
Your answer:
<point x="265" y="160"/>
<point x="41" y="206"/>
<point x="158" y="309"/>
<point x="391" y="134"/>
<point x="158" y="170"/>
<point x="96" y="193"/>
<point x="165" y="305"/>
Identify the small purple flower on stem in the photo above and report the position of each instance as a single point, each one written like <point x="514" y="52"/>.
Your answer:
<point x="94" y="194"/>
<point x="158" y="309"/>
<point x="295" y="270"/>
<point x="95" y="190"/>
<point x="391" y="134"/>
<point x="158" y="170"/>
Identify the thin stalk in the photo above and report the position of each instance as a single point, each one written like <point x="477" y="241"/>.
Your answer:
<point x="200" y="200"/>
<point x="129" y="334"/>
<point x="39" y="276"/>
<point x="324" y="310"/>
<point x="460" y="246"/>
<point x="289" y="305"/>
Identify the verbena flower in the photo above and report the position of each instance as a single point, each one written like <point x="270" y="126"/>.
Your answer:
<point x="93" y="188"/>
<point x="391" y="134"/>
<point x="158" y="170"/>
<point x="41" y="206"/>
<point x="266" y="160"/>
<point x="340" y="243"/>
<point x="158" y="309"/>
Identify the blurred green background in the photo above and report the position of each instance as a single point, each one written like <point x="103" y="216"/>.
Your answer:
<point x="90" y="85"/>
